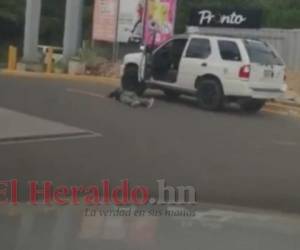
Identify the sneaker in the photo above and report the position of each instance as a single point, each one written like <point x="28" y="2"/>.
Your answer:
<point x="151" y="103"/>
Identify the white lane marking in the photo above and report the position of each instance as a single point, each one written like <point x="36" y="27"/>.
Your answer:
<point x="65" y="138"/>
<point x="87" y="93"/>
<point x="96" y="134"/>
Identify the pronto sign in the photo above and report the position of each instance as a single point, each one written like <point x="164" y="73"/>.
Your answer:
<point x="230" y="18"/>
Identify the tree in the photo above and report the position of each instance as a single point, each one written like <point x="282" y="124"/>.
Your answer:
<point x="11" y="11"/>
<point x="11" y="18"/>
<point x="52" y="22"/>
<point x="277" y="14"/>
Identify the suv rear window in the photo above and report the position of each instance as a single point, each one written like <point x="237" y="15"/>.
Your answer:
<point x="261" y="53"/>
<point x="229" y="51"/>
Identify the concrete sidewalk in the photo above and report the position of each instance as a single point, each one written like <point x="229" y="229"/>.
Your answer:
<point x="291" y="98"/>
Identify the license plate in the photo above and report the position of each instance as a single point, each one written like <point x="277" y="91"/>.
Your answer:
<point x="268" y="74"/>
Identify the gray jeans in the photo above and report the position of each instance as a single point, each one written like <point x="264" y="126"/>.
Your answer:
<point x="131" y="99"/>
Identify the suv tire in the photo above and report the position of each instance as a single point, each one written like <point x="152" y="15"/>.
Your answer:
<point x="210" y="94"/>
<point x="130" y="81"/>
<point x="252" y="105"/>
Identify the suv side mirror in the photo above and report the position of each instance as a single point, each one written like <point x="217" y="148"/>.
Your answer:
<point x="146" y="49"/>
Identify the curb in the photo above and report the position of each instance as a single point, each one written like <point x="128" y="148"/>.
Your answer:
<point x="288" y="103"/>
<point x="280" y="105"/>
<point x="95" y="79"/>
<point x="282" y="109"/>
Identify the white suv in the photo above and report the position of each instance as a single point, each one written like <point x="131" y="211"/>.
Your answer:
<point x="215" y="69"/>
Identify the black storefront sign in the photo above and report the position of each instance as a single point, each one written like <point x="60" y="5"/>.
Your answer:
<point x="230" y="18"/>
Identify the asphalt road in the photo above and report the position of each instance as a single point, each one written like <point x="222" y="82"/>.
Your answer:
<point x="231" y="158"/>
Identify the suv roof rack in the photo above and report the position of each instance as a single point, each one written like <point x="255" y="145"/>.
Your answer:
<point x="244" y="36"/>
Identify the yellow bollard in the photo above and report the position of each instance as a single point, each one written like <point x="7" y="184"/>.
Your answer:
<point x="12" y="58"/>
<point x="9" y="63"/>
<point x="49" y="60"/>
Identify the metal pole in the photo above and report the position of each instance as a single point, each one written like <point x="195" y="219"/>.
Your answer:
<point x="145" y="15"/>
<point x="116" y="42"/>
<point x="145" y="52"/>
<point x="49" y="55"/>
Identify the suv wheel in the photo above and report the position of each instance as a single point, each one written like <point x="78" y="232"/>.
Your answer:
<point x="210" y="94"/>
<point x="130" y="81"/>
<point x="171" y="95"/>
<point x="252" y="105"/>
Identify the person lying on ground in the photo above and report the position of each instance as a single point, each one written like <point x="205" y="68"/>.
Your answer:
<point x="131" y="99"/>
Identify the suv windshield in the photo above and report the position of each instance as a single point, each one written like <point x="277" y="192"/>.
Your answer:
<point x="261" y="53"/>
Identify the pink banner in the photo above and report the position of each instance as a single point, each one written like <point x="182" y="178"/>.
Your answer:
<point x="105" y="16"/>
<point x="159" y="21"/>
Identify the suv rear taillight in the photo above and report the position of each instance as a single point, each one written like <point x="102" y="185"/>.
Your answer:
<point x="245" y="72"/>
